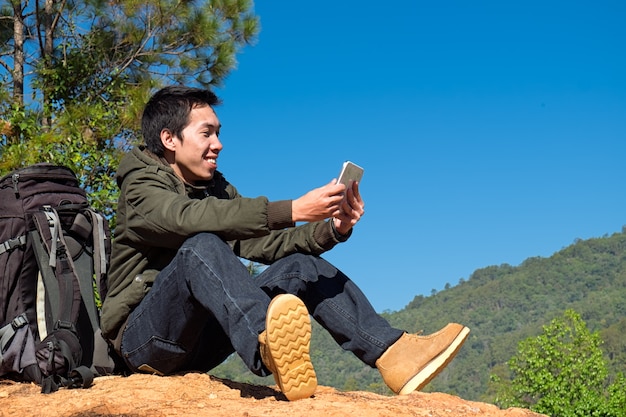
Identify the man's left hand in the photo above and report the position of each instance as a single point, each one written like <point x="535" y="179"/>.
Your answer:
<point x="352" y="209"/>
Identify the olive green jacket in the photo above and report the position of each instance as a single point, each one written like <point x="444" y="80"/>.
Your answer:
<point x="157" y="212"/>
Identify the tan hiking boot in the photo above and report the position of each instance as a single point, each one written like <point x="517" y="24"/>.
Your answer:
<point x="284" y="347"/>
<point x="413" y="361"/>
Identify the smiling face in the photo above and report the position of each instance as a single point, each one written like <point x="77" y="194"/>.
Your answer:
<point x="193" y="156"/>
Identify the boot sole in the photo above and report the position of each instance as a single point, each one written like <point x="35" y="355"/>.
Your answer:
<point x="435" y="366"/>
<point x="288" y="333"/>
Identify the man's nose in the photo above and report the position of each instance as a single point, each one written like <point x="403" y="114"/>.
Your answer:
<point x="216" y="145"/>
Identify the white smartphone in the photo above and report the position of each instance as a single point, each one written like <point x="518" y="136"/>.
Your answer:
<point x="350" y="172"/>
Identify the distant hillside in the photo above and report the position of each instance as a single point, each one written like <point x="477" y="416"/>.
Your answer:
<point x="502" y="305"/>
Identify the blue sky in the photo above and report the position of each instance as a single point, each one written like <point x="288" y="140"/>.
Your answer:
<point x="490" y="131"/>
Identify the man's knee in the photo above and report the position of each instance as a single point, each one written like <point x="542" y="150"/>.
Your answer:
<point x="318" y="263"/>
<point x="207" y="245"/>
<point x="310" y="266"/>
<point x="207" y="249"/>
<point x="202" y="240"/>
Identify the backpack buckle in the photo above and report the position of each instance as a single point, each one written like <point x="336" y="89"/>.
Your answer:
<point x="50" y="215"/>
<point x="9" y="245"/>
<point x="19" y="321"/>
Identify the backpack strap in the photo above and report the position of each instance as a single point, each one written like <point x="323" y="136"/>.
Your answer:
<point x="86" y="224"/>
<point x="99" y="246"/>
<point x="103" y="364"/>
<point x="8" y="331"/>
<point x="60" y="282"/>
<point x="17" y="349"/>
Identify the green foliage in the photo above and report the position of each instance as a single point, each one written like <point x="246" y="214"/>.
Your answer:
<point x="86" y="137"/>
<point x="617" y="397"/>
<point x="253" y="268"/>
<point x="561" y="372"/>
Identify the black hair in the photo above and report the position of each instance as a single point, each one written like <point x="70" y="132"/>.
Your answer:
<point x="169" y="108"/>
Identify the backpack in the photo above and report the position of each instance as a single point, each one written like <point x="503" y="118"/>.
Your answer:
<point x="54" y="254"/>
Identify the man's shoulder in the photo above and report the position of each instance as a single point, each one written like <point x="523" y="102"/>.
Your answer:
<point x="141" y="163"/>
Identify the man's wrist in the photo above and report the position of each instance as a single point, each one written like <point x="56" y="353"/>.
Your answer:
<point x="339" y="236"/>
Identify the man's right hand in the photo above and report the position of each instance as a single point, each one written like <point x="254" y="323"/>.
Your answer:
<point x="318" y="204"/>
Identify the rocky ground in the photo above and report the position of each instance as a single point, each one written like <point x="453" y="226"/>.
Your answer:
<point x="196" y="394"/>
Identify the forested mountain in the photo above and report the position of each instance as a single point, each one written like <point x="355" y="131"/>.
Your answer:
<point x="502" y="305"/>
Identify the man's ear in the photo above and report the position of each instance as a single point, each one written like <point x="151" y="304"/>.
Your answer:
<point x="167" y="139"/>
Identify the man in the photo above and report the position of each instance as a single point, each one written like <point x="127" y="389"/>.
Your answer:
<point x="179" y="297"/>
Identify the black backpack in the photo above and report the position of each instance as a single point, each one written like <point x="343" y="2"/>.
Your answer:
<point x="54" y="254"/>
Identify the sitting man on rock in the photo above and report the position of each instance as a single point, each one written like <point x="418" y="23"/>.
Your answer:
<point x="181" y="299"/>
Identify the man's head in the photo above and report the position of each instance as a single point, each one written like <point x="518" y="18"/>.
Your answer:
<point x="169" y="109"/>
<point x="179" y="124"/>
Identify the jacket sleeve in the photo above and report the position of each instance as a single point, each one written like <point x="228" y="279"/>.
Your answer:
<point x="309" y="238"/>
<point x="162" y="215"/>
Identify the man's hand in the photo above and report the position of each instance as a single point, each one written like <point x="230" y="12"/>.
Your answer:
<point x="352" y="208"/>
<point x="318" y="204"/>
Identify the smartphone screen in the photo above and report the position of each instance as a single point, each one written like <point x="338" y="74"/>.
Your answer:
<point x="350" y="172"/>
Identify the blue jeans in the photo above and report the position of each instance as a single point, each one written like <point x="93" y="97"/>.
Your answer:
<point x="205" y="305"/>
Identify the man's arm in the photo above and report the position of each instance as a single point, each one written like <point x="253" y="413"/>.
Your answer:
<point x="159" y="215"/>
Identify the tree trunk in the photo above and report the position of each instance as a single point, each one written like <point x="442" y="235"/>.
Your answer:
<point x="48" y="49"/>
<point x="18" y="54"/>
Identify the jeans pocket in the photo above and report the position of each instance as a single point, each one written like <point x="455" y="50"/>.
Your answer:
<point x="157" y="355"/>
